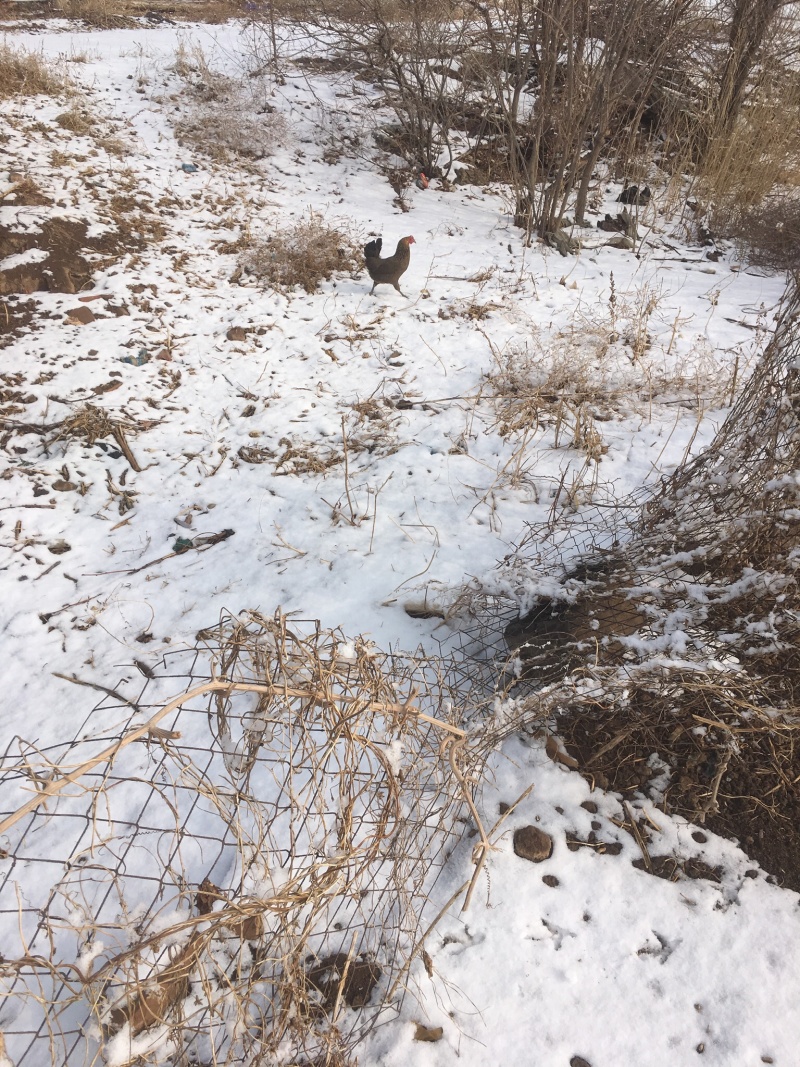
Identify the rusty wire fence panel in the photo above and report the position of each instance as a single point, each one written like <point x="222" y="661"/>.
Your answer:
<point x="245" y="881"/>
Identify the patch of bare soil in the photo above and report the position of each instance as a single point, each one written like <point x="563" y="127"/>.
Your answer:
<point x="673" y="869"/>
<point x="741" y="781"/>
<point x="66" y="268"/>
<point x="556" y="636"/>
<point x="15" y="316"/>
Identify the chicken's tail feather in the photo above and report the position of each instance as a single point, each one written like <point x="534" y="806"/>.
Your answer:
<point x="373" y="249"/>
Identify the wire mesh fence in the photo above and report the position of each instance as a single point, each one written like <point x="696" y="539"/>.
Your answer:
<point x="239" y="878"/>
<point x="241" y="874"/>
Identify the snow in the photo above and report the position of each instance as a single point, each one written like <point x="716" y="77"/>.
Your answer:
<point x="610" y="964"/>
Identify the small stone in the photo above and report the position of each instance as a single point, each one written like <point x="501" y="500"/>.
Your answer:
<point x="428" y="1033"/>
<point x="590" y="806"/>
<point x="63" y="486"/>
<point x="58" y="548"/>
<point x="579" y="1061"/>
<point x="699" y="837"/>
<point x="237" y="333"/>
<point x="81" y="316"/>
<point x="106" y="387"/>
<point x="502" y="807"/>
<point x="550" y="879"/>
<point x="531" y="843"/>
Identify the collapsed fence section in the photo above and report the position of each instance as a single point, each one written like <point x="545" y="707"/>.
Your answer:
<point x="241" y="877"/>
<point x="666" y="652"/>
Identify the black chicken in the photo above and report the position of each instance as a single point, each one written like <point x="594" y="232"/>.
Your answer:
<point x="390" y="270"/>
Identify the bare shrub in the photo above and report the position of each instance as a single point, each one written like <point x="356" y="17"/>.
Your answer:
<point x="769" y="235"/>
<point x="304" y="254"/>
<point x="28" y="74"/>
<point x="540" y="89"/>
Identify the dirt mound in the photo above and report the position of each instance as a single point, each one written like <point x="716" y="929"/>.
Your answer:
<point x="743" y="791"/>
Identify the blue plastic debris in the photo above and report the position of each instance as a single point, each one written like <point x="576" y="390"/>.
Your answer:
<point x="188" y="168"/>
<point x="141" y="357"/>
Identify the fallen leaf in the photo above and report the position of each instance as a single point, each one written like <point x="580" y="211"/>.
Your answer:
<point x="428" y="1033"/>
<point x="556" y="754"/>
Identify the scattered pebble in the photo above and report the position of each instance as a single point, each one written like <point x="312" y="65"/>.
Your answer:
<point x="80" y="316"/>
<point x="531" y="843"/>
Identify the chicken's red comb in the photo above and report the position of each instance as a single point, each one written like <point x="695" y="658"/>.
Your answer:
<point x="409" y="240"/>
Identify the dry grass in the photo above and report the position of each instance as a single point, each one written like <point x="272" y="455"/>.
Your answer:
<point x="746" y="176"/>
<point x="29" y="74"/>
<point x="304" y="254"/>
<point x="222" y="120"/>
<point x="606" y="365"/>
<point x="89" y="422"/>
<point x="225" y="129"/>
<point x="102" y="14"/>
<point x="77" y="120"/>
<point x="203" y="83"/>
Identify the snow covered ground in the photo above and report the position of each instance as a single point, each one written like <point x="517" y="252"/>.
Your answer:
<point x="388" y="475"/>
